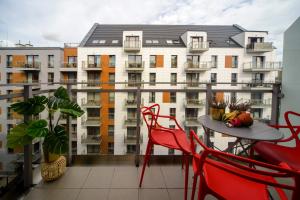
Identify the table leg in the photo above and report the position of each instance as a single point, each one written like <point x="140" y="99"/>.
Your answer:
<point x="245" y="149"/>
<point x="230" y="147"/>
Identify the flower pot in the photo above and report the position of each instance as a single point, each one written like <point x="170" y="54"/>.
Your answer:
<point x="217" y="113"/>
<point x="53" y="170"/>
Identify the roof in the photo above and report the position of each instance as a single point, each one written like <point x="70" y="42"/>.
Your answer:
<point x="217" y="35"/>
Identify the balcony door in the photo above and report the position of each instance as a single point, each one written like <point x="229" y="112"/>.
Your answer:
<point x="132" y="41"/>
<point x="258" y="61"/>
<point x="193" y="60"/>
<point x="196" y="42"/>
<point x="134" y="61"/>
<point x="258" y="78"/>
<point x="191" y="113"/>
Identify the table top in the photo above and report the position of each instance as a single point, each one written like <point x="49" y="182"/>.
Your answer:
<point x="258" y="131"/>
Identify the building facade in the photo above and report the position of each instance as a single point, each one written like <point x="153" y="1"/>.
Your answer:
<point x="146" y="53"/>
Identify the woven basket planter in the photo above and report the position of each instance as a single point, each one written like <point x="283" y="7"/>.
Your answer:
<point x="52" y="171"/>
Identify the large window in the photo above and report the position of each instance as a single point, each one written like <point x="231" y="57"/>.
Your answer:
<point x="233" y="79"/>
<point x="94" y="61"/>
<point x="193" y="61"/>
<point x="152" y="61"/>
<point x="173" y="78"/>
<point x="131" y="148"/>
<point x="93" y="131"/>
<point x="213" y="77"/>
<point x="50" y="61"/>
<point x="214" y="61"/>
<point x="93" y="149"/>
<point x="258" y="61"/>
<point x="111" y="113"/>
<point x="152" y="77"/>
<point x="235" y="61"/>
<point x="50" y="77"/>
<point x="134" y="61"/>
<point x="112" y="61"/>
<point x="152" y="97"/>
<point x="93" y="112"/>
<point x="9" y="60"/>
<point x="172" y="97"/>
<point x="174" y="61"/>
<point x="111" y="148"/>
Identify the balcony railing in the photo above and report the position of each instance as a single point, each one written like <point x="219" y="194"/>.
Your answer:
<point x="260" y="47"/>
<point x="134" y="66"/>
<point x="131" y="139"/>
<point x="91" y="121"/>
<point x="131" y="122"/>
<point x="91" y="103"/>
<point x="134" y="83"/>
<point x="35" y="66"/>
<point x="132" y="46"/>
<point x="263" y="67"/>
<point x="91" y="84"/>
<point x="198" y="47"/>
<point x="261" y="102"/>
<point x="194" y="84"/>
<point x="192" y="121"/>
<point x="258" y="85"/>
<point x="69" y="67"/>
<point x="91" y="139"/>
<point x="197" y="67"/>
<point x="91" y="66"/>
<point x="194" y="103"/>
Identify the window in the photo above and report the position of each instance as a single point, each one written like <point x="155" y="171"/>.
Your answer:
<point x="93" y="149"/>
<point x="111" y="130"/>
<point x="148" y="41"/>
<point x="94" y="61"/>
<point x="213" y="77"/>
<point x="93" y="96"/>
<point x="132" y="42"/>
<point x="257" y="113"/>
<point x="9" y="60"/>
<point x="233" y="79"/>
<point x="169" y="41"/>
<point x="111" y="97"/>
<point x="93" y="131"/>
<point x="233" y="97"/>
<point x="173" y="112"/>
<point x="111" y="77"/>
<point x="171" y="151"/>
<point x="135" y="61"/>
<point x="111" y="148"/>
<point x="235" y="62"/>
<point x="50" y="77"/>
<point x="72" y="61"/>
<point x="258" y="62"/>
<point x="172" y="97"/>
<point x="112" y="60"/>
<point x="155" y="41"/>
<point x="111" y="113"/>
<point x="258" y="78"/>
<point x="50" y="61"/>
<point x="32" y="61"/>
<point x="214" y="61"/>
<point x="115" y="41"/>
<point x="8" y="77"/>
<point x="102" y="41"/>
<point x="95" y="41"/>
<point x="152" y="61"/>
<point x="152" y="97"/>
<point x="173" y="78"/>
<point x="174" y="61"/>
<point x="152" y="77"/>
<point x="131" y="148"/>
<point x="193" y="61"/>
<point x="93" y="112"/>
<point x="257" y="95"/>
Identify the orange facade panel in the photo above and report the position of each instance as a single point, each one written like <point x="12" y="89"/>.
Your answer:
<point x="19" y="77"/>
<point x="166" y="97"/>
<point x="219" y="96"/>
<point x="228" y="61"/>
<point x="159" y="60"/>
<point x="69" y="52"/>
<point x="18" y="60"/>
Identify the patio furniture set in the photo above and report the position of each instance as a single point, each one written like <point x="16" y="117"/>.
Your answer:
<point x="224" y="174"/>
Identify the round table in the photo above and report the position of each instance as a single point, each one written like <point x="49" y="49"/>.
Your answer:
<point x="257" y="132"/>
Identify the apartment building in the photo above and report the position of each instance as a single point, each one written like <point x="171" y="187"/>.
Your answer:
<point x="166" y="53"/>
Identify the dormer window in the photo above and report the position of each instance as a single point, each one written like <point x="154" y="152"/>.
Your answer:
<point x="169" y="41"/>
<point x="102" y="42"/>
<point x="176" y="42"/>
<point x="252" y="40"/>
<point x="155" y="41"/>
<point x="115" y="41"/>
<point x="95" y="41"/>
<point x="132" y="43"/>
<point x="148" y="41"/>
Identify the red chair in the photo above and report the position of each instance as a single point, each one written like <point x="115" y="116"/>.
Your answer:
<point x="167" y="137"/>
<point x="275" y="153"/>
<point x="224" y="176"/>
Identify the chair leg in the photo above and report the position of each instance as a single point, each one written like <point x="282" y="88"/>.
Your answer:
<point x="146" y="159"/>
<point x="202" y="188"/>
<point x="194" y="186"/>
<point x="182" y="160"/>
<point x="186" y="178"/>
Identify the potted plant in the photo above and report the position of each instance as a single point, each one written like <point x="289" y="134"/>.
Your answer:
<point x="217" y="109"/>
<point x="54" y="135"/>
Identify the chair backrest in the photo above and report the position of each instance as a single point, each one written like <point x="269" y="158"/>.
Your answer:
<point x="233" y="165"/>
<point x="150" y="115"/>
<point x="295" y="129"/>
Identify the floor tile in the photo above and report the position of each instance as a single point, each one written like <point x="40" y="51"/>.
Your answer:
<point x="153" y="177"/>
<point x="174" y="176"/>
<point x="153" y="194"/>
<point x="99" y="177"/>
<point x="50" y="194"/>
<point x="125" y="177"/>
<point x="93" y="194"/>
<point x="123" y="194"/>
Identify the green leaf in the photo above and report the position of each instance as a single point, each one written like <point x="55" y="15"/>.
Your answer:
<point x="18" y="137"/>
<point x="32" y="106"/>
<point x="71" y="108"/>
<point x="57" y="142"/>
<point x="61" y="93"/>
<point x="37" y="128"/>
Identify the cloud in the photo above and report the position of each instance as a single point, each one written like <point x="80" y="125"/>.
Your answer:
<point x="53" y="22"/>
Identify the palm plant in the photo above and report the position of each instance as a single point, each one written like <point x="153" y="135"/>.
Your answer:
<point x="55" y="136"/>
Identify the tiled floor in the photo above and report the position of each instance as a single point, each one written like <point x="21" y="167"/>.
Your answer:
<point x="113" y="183"/>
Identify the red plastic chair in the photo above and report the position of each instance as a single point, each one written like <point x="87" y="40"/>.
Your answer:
<point x="275" y="153"/>
<point x="167" y="137"/>
<point x="224" y="176"/>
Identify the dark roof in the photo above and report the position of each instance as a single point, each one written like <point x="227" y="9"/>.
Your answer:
<point x="217" y="35"/>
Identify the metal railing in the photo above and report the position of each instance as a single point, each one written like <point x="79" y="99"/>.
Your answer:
<point x="265" y="66"/>
<point x="260" y="47"/>
<point x="190" y="121"/>
<point x="132" y="45"/>
<point x="134" y="66"/>
<point x="91" y="66"/>
<point x="131" y="138"/>
<point x="91" y="102"/>
<point x="70" y="65"/>
<point x="91" y="139"/>
<point x="198" y="66"/>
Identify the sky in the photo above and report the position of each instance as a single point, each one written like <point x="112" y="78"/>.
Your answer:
<point x="55" y="22"/>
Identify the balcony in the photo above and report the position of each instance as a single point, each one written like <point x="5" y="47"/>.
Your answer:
<point x="194" y="84"/>
<point x="134" y="66"/>
<point x="35" y="66"/>
<point x="69" y="67"/>
<point x="91" y="139"/>
<point x="197" y="67"/>
<point x="264" y="67"/>
<point x="198" y="47"/>
<point x="261" y="103"/>
<point x="191" y="122"/>
<point x="131" y="139"/>
<point x="91" y="66"/>
<point x="194" y="103"/>
<point x="134" y="84"/>
<point x="91" y="84"/>
<point x="91" y="103"/>
<point x="132" y="46"/>
<point x="259" y="47"/>
<point x="91" y="121"/>
<point x="257" y="85"/>
<point x="131" y="122"/>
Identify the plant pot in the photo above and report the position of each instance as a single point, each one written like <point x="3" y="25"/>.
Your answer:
<point x="53" y="157"/>
<point x="53" y="170"/>
<point x="217" y="113"/>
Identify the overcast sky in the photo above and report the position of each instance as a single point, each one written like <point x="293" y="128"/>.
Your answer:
<point x="53" y="22"/>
